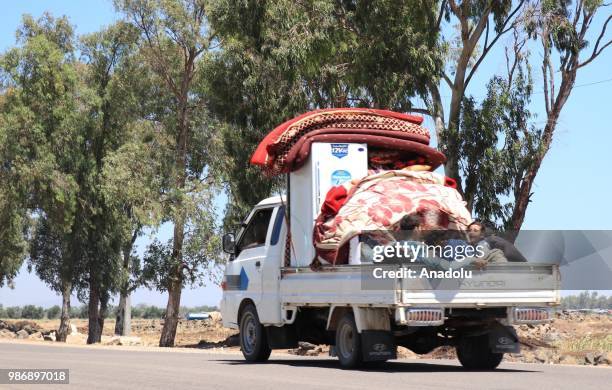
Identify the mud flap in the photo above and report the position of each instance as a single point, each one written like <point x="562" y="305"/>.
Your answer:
<point x="377" y="345"/>
<point x="503" y="339"/>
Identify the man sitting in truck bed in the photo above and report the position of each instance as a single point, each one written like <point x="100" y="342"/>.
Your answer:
<point x="477" y="234"/>
<point x="449" y="249"/>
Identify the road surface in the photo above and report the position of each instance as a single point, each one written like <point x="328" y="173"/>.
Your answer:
<point x="115" y="368"/>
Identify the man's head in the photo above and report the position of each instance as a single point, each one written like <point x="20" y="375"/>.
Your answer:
<point x="410" y="222"/>
<point x="475" y="231"/>
<point x="410" y="226"/>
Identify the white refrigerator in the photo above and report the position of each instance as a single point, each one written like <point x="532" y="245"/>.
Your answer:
<point x="329" y="164"/>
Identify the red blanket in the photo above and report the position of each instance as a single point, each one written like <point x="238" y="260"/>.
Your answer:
<point x="283" y="149"/>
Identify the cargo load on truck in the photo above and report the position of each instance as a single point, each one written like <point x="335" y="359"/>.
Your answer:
<point x="354" y="170"/>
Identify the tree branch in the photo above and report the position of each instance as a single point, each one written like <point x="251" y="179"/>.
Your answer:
<point x="447" y="79"/>
<point x="423" y="111"/>
<point x="486" y="49"/>
<point x="595" y="52"/>
<point x="441" y="14"/>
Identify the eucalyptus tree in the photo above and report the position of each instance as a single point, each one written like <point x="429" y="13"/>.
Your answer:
<point x="46" y="104"/>
<point x="281" y="58"/>
<point x="569" y="41"/>
<point x="108" y="59"/>
<point x="175" y="40"/>
<point x="563" y="29"/>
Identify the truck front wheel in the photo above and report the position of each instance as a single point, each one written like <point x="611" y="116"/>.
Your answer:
<point x="474" y="353"/>
<point x="253" y="340"/>
<point x="348" y="342"/>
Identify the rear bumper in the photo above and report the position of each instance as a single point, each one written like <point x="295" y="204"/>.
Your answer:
<point x="436" y="316"/>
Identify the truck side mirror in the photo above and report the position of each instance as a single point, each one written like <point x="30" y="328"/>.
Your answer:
<point x="229" y="243"/>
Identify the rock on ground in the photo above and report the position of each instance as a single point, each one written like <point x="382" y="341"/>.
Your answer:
<point x="124" y="340"/>
<point x="6" y="334"/>
<point x="36" y="336"/>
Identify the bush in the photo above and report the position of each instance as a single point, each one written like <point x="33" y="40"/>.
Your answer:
<point x="54" y="312"/>
<point x="139" y="311"/>
<point x="32" y="312"/>
<point x="152" y="312"/>
<point x="13" y="312"/>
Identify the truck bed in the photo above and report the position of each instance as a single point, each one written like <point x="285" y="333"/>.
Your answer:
<point x="500" y="285"/>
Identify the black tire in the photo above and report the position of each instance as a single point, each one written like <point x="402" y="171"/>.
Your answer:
<point x="348" y="343"/>
<point x="253" y="339"/>
<point x="474" y="354"/>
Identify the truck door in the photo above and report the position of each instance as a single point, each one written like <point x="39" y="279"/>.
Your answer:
<point x="269" y="310"/>
<point x="243" y="273"/>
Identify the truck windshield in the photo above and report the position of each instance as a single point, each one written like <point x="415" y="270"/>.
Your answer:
<point x="256" y="231"/>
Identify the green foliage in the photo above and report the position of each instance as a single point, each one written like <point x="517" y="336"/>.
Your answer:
<point x="13" y="245"/>
<point x="201" y="249"/>
<point x="45" y="105"/>
<point x="282" y="58"/>
<point x="68" y="117"/>
<point x="79" y="312"/>
<point x="175" y="43"/>
<point x="141" y="310"/>
<point x="13" y="312"/>
<point x="497" y="145"/>
<point x="587" y="300"/>
<point x="53" y="312"/>
<point x="32" y="312"/>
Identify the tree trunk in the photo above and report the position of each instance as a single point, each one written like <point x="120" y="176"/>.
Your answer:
<point x="176" y="279"/>
<point x="62" y="332"/>
<point x="124" y="311"/>
<point x="124" y="316"/>
<point x="523" y="195"/>
<point x="104" y="298"/>
<point x="172" y="312"/>
<point x="93" y="311"/>
<point x="174" y="289"/>
<point x="119" y="318"/>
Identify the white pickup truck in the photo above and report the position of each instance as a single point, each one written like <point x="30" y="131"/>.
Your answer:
<point x="276" y="306"/>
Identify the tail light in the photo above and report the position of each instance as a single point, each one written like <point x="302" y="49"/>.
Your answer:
<point x="422" y="317"/>
<point x="531" y="315"/>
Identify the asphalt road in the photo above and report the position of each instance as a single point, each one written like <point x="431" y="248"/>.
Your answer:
<point x="104" y="368"/>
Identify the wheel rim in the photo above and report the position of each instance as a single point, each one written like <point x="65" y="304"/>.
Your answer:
<point x="346" y="343"/>
<point x="249" y="333"/>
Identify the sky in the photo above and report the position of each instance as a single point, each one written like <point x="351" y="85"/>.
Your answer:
<point x="572" y="189"/>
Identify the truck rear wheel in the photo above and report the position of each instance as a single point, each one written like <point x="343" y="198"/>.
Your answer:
<point x="348" y="342"/>
<point x="474" y="354"/>
<point x="253" y="340"/>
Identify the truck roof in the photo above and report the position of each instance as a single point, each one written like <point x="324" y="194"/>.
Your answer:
<point x="277" y="199"/>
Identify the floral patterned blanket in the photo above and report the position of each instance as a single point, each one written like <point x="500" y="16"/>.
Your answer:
<point x="379" y="201"/>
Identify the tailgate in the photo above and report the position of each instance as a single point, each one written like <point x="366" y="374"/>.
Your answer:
<point x="333" y="285"/>
<point x="498" y="285"/>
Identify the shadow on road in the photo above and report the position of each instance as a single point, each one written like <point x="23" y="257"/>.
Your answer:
<point x="395" y="366"/>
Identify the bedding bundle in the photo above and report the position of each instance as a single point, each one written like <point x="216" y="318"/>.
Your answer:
<point x="287" y="147"/>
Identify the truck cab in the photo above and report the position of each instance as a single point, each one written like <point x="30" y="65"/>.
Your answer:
<point x="252" y="272"/>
